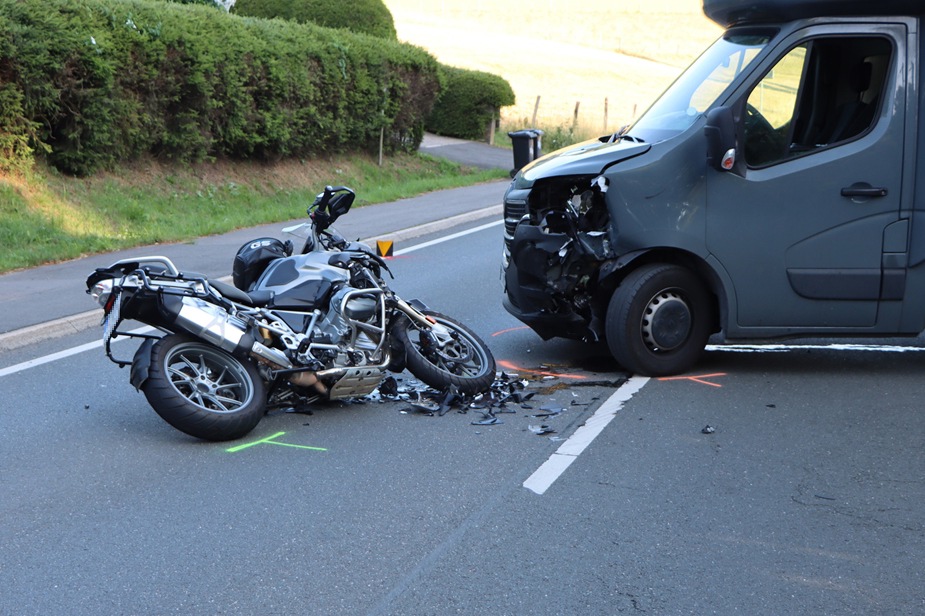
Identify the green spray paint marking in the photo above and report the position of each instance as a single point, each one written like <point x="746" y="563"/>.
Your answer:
<point x="269" y="441"/>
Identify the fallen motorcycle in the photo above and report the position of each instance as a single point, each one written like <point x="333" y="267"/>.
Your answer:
<point x="294" y="329"/>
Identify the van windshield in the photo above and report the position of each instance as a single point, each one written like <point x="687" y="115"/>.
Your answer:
<point x="698" y="87"/>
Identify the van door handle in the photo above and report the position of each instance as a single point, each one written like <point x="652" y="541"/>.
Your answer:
<point x="863" y="191"/>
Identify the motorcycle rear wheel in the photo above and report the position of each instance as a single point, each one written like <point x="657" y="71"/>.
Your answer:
<point x="202" y="390"/>
<point x="465" y="362"/>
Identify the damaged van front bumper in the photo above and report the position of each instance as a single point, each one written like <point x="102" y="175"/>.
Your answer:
<point x="557" y="248"/>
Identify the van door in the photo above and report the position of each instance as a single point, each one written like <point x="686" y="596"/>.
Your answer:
<point x="800" y="227"/>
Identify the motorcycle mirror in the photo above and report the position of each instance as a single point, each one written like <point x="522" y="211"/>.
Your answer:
<point x="340" y="204"/>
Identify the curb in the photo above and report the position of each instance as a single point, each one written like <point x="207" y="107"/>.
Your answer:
<point x="75" y="324"/>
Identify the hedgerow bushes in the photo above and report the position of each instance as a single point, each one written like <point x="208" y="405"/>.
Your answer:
<point x="366" y="16"/>
<point x="101" y="81"/>
<point x="468" y="103"/>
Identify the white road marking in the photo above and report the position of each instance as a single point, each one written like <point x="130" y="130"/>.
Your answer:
<point x="448" y="237"/>
<point x="783" y="348"/>
<point x="32" y="363"/>
<point x="569" y="451"/>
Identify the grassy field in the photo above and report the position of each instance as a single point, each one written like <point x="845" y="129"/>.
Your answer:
<point x="625" y="52"/>
<point x="49" y="217"/>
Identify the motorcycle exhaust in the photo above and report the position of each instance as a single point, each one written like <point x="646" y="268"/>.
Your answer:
<point x="214" y="325"/>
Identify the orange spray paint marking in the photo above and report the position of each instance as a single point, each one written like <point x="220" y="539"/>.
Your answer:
<point x="699" y="378"/>
<point x="506" y="364"/>
<point x="510" y="329"/>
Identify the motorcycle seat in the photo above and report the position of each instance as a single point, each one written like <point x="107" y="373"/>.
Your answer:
<point x="256" y="299"/>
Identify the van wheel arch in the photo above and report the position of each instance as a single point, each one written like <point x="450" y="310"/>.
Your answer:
<point x="611" y="277"/>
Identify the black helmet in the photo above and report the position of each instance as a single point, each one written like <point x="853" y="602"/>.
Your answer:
<point x="253" y="257"/>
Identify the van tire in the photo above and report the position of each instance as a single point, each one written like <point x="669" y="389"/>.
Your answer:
<point x="659" y="320"/>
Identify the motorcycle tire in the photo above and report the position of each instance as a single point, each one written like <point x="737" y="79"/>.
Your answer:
<point x="203" y="391"/>
<point x="465" y="363"/>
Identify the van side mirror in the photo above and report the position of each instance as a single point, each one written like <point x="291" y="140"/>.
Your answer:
<point x="721" y="139"/>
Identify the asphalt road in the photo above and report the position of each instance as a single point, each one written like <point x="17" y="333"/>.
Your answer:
<point x="807" y="497"/>
<point x="57" y="291"/>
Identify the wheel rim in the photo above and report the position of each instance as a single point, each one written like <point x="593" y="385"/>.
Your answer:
<point x="208" y="378"/>
<point x="461" y="356"/>
<point x="666" y="321"/>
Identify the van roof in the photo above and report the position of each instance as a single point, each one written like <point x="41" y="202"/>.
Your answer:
<point x="731" y="12"/>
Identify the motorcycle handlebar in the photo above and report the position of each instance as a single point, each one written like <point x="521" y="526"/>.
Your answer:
<point x="321" y="201"/>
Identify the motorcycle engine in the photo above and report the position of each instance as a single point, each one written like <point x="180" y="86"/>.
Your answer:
<point x="350" y="331"/>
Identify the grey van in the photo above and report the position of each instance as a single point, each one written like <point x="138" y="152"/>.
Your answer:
<point x="770" y="192"/>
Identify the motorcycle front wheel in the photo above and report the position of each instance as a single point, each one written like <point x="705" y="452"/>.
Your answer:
<point x="463" y="360"/>
<point x="202" y="390"/>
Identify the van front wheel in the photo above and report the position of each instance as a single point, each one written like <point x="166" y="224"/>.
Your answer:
<point x="659" y="320"/>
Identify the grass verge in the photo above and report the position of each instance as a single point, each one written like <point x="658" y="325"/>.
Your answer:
<point x="46" y="217"/>
<point x="555" y="136"/>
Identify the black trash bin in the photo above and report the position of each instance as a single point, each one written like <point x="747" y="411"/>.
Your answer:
<point x="527" y="145"/>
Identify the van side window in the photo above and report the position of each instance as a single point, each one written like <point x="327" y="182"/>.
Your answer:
<point x="822" y="93"/>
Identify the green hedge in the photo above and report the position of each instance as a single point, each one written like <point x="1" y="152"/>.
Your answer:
<point x="101" y="81"/>
<point x="366" y="16"/>
<point x="468" y="102"/>
<point x="211" y="3"/>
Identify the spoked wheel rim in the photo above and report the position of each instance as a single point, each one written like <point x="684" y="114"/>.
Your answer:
<point x="208" y="378"/>
<point x="460" y="355"/>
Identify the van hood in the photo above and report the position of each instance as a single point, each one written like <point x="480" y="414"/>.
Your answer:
<point x="586" y="158"/>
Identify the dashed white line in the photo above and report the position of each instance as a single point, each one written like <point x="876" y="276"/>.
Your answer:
<point x="569" y="451"/>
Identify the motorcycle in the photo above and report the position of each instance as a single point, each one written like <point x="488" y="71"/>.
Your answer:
<point x="292" y="329"/>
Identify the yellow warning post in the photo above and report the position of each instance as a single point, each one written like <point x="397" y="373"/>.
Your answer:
<point x="384" y="248"/>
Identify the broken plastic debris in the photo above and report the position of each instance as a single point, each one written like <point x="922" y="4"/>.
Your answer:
<point x="388" y="387"/>
<point x="426" y="406"/>
<point x="488" y="421"/>
<point x="708" y="429"/>
<point x="541" y="430"/>
<point x="549" y="411"/>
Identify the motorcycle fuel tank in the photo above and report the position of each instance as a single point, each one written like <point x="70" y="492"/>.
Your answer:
<point x="301" y="282"/>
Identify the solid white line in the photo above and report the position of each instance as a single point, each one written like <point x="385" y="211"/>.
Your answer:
<point x="447" y="238"/>
<point x="32" y="363"/>
<point x="546" y="474"/>
<point x="785" y="348"/>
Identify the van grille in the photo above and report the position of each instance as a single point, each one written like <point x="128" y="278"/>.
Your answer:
<point x="514" y="210"/>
